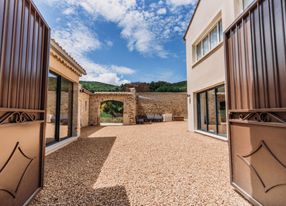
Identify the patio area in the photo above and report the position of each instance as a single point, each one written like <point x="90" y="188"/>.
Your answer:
<point x="156" y="164"/>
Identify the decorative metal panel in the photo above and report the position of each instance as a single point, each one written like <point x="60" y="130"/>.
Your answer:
<point x="24" y="58"/>
<point x="255" y="49"/>
<point x="23" y="55"/>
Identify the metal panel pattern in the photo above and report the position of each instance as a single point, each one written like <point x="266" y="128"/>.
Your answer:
<point x="23" y="33"/>
<point x="255" y="49"/>
<point x="24" y="59"/>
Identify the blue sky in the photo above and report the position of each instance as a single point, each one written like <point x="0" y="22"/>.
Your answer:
<point x="120" y="41"/>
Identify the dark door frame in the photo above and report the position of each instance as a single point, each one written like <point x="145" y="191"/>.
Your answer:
<point x="59" y="79"/>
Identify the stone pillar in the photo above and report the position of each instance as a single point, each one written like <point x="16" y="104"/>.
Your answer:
<point x="76" y="113"/>
<point x="93" y="110"/>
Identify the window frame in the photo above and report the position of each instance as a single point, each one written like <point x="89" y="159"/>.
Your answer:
<point x="245" y="4"/>
<point x="206" y="105"/>
<point x="218" y="27"/>
<point x="57" y="138"/>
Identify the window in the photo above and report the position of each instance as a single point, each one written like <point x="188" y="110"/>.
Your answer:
<point x="246" y="3"/>
<point x="202" y="100"/>
<point x="220" y="32"/>
<point x="212" y="111"/>
<point x="59" y="110"/>
<point x="214" y="38"/>
<point x="66" y="108"/>
<point x="85" y="105"/>
<point x="206" y="45"/>
<point x="51" y="108"/>
<point x="221" y="110"/>
<point x="210" y="41"/>
<point x="199" y="51"/>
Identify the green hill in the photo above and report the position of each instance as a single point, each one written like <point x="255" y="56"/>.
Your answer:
<point x="182" y="85"/>
<point x="159" y="86"/>
<point x="99" y="87"/>
<point x="162" y="86"/>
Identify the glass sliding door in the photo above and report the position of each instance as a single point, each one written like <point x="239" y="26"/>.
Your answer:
<point x="66" y="108"/>
<point x="221" y="110"/>
<point x="51" y="108"/>
<point x="59" y="110"/>
<point x="212" y="111"/>
<point x="202" y="112"/>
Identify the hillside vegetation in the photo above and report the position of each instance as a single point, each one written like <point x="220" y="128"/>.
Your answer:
<point x="168" y="87"/>
<point x="99" y="87"/>
<point x="160" y="86"/>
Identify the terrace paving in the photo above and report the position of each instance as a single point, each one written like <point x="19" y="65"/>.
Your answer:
<point x="156" y="164"/>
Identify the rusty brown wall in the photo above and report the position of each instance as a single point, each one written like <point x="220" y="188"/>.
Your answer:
<point x="24" y="57"/>
<point x="23" y="35"/>
<point x="256" y="50"/>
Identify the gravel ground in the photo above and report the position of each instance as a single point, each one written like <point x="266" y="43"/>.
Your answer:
<point x="157" y="164"/>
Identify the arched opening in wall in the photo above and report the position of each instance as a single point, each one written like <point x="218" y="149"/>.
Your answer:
<point x="111" y="112"/>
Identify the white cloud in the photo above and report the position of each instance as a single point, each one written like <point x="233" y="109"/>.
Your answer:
<point x="78" y="40"/>
<point x="162" y="11"/>
<point x="109" y="43"/>
<point x="182" y="2"/>
<point x="141" y="27"/>
<point x="111" y="74"/>
<point x="122" y="70"/>
<point x="109" y="78"/>
<point x="69" y="11"/>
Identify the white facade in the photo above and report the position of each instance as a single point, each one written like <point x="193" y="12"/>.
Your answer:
<point x="208" y="71"/>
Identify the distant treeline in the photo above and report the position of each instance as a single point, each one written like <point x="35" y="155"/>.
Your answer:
<point x="160" y="86"/>
<point x="99" y="87"/>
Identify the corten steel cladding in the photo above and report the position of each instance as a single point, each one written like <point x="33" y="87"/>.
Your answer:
<point x="255" y="48"/>
<point x="24" y="58"/>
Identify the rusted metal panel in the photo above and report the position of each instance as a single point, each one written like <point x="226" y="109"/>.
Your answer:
<point x="257" y="44"/>
<point x="255" y="49"/>
<point x="23" y="32"/>
<point x="24" y="58"/>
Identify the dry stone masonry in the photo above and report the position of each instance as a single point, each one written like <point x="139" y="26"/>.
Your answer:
<point x="141" y="103"/>
<point x="127" y="98"/>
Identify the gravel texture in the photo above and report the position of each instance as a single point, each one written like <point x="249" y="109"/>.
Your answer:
<point x="156" y="164"/>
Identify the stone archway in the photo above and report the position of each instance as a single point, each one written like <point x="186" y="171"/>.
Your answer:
<point x="111" y="112"/>
<point x="127" y="98"/>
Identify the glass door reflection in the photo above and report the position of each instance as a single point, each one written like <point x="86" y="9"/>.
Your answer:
<point x="66" y="109"/>
<point x="51" y="108"/>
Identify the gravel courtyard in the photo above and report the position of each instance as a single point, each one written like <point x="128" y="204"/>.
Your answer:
<point x="156" y="164"/>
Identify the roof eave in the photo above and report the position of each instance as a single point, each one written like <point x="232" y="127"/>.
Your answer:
<point x="68" y="57"/>
<point x="185" y="35"/>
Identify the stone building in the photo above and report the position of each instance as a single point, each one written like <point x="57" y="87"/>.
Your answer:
<point x="63" y="124"/>
<point x="70" y="107"/>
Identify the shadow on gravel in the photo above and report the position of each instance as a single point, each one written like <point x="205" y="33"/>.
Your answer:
<point x="87" y="132"/>
<point x="71" y="172"/>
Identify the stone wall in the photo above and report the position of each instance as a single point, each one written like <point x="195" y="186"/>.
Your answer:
<point x="84" y="109"/>
<point x="127" y="98"/>
<point x="162" y="103"/>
